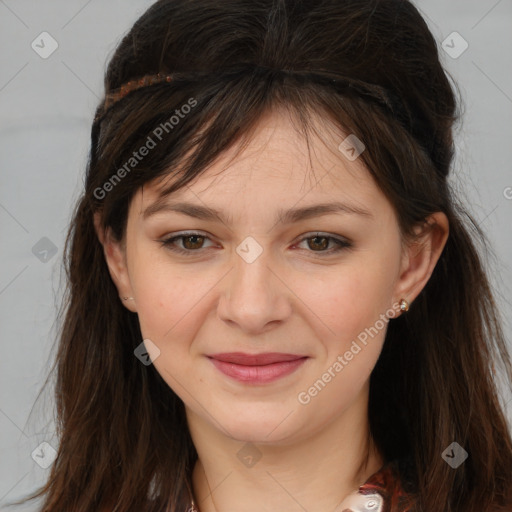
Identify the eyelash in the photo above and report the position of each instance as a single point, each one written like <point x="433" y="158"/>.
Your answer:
<point x="169" y="243"/>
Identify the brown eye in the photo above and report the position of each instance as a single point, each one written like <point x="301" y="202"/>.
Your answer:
<point x="318" y="242"/>
<point x="196" y="241"/>
<point x="189" y="243"/>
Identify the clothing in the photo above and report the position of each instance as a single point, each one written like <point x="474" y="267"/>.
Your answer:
<point x="384" y="491"/>
<point x="388" y="490"/>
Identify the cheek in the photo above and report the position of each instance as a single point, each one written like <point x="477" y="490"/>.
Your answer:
<point x="350" y="298"/>
<point x="170" y="312"/>
<point x="167" y="301"/>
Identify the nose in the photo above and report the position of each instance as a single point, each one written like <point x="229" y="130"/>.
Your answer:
<point x="254" y="296"/>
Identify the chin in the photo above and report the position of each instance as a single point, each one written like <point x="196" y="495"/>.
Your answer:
<point x="277" y="426"/>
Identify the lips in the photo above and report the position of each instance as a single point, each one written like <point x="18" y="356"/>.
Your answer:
<point x="255" y="359"/>
<point x="257" y="368"/>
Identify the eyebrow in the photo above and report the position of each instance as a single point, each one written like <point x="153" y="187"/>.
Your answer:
<point x="284" y="216"/>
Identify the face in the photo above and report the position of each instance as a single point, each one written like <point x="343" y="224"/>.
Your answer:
<point x="319" y="288"/>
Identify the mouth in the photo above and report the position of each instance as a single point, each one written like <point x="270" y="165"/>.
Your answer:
<point x="257" y="368"/>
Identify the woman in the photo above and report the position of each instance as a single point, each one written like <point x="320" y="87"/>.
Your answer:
<point x="275" y="301"/>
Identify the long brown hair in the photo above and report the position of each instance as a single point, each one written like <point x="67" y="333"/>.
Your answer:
<point x="373" y="68"/>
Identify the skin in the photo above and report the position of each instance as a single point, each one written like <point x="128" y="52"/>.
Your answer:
<point x="293" y="298"/>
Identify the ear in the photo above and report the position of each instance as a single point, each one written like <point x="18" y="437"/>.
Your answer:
<point x="115" y="256"/>
<point x="421" y="255"/>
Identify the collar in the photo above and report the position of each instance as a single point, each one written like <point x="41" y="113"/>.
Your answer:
<point x="382" y="492"/>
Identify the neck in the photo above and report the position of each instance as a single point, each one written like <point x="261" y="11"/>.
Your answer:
<point x="313" y="474"/>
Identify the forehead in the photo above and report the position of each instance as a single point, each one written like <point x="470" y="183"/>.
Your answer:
<point x="278" y="165"/>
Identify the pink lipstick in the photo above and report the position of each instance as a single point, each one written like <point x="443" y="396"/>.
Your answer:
<point x="256" y="368"/>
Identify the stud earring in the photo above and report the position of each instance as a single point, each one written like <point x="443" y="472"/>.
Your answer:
<point x="404" y="305"/>
<point x="128" y="298"/>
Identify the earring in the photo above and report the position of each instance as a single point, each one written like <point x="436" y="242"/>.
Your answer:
<point x="128" y="298"/>
<point x="404" y="305"/>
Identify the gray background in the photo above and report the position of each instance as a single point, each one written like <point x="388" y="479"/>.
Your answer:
<point x="46" y="108"/>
